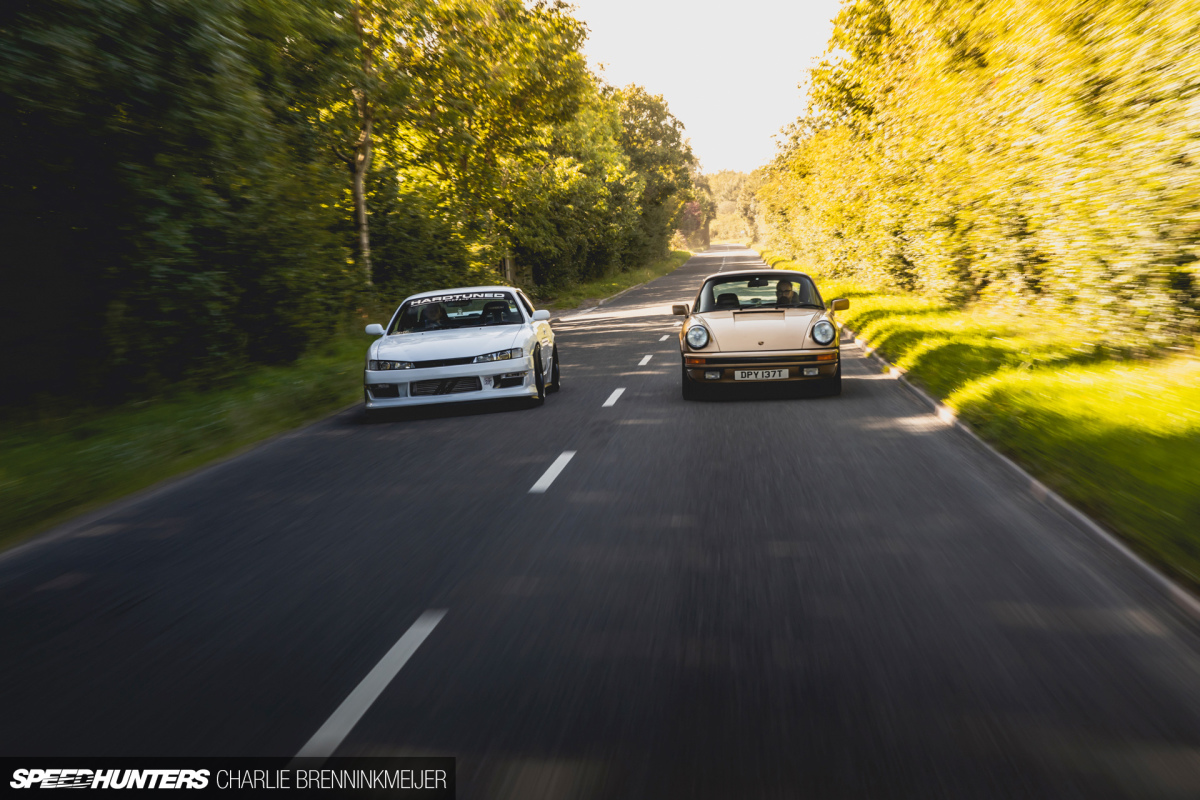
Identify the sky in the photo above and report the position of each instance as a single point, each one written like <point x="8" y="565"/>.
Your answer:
<point x="728" y="70"/>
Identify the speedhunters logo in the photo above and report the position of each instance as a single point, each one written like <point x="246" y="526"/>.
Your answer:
<point x="109" y="779"/>
<point x="425" y="777"/>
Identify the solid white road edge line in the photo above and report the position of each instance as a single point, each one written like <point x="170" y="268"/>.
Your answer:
<point x="645" y="361"/>
<point x="330" y="735"/>
<point x="543" y="483"/>
<point x="612" y="398"/>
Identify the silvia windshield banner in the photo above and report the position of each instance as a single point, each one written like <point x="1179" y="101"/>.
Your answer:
<point x="428" y="778"/>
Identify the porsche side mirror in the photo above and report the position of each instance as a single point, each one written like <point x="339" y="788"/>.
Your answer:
<point x="540" y="315"/>
<point x="841" y="304"/>
<point x="375" y="329"/>
<point x="680" y="310"/>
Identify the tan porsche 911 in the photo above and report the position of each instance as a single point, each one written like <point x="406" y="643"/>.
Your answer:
<point x="760" y="326"/>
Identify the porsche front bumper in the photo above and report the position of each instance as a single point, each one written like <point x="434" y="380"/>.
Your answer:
<point x="800" y="365"/>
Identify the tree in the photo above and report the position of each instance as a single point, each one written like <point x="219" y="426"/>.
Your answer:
<point x="1005" y="153"/>
<point x="653" y="139"/>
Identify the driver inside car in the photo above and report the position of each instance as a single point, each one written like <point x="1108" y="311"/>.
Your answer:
<point x="433" y="317"/>
<point x="785" y="295"/>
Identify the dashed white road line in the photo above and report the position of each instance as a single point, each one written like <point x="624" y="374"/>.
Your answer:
<point x="613" y="398"/>
<point x="645" y="360"/>
<point x="665" y="337"/>
<point x="330" y="735"/>
<point x="543" y="483"/>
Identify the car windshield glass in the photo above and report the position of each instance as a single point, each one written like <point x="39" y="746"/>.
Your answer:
<point x="457" y="310"/>
<point x="759" y="291"/>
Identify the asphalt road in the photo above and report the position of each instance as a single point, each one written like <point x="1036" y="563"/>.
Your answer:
<point x="748" y="597"/>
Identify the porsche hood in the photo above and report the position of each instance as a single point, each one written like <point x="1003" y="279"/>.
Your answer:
<point x="742" y="331"/>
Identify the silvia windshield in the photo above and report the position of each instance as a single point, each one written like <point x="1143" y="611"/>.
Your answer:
<point x="742" y="292"/>
<point x="457" y="310"/>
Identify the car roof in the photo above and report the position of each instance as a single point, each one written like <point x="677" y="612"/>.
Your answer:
<point x="462" y="289"/>
<point x="769" y="273"/>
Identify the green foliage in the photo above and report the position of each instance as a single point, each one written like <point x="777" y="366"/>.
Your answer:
<point x="154" y="195"/>
<point x="587" y="292"/>
<point x="581" y="166"/>
<point x="175" y="179"/>
<point x="1007" y="151"/>
<point x="416" y="240"/>
<point x="659" y="154"/>
<point x="488" y="78"/>
<point x="736" y="208"/>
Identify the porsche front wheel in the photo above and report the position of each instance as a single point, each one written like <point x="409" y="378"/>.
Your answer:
<point x="690" y="390"/>
<point x="833" y="386"/>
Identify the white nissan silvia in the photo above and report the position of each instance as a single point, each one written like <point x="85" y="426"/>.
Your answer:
<point x="455" y="345"/>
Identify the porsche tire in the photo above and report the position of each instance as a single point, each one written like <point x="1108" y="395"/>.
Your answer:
<point x="690" y="390"/>
<point x="832" y="387"/>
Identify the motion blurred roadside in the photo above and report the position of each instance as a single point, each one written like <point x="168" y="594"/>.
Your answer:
<point x="202" y="203"/>
<point x="190" y="257"/>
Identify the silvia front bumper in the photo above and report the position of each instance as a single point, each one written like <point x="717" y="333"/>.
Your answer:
<point x="801" y="365"/>
<point x="464" y="383"/>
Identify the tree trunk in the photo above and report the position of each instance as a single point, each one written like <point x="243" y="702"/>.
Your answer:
<point x="358" y="169"/>
<point x="361" y="159"/>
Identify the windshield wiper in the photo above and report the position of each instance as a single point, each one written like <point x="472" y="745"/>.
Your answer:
<point x="755" y="309"/>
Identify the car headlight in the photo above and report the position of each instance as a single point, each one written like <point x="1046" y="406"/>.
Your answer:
<point x="697" y="336"/>
<point x="823" y="332"/>
<point x="500" y="355"/>
<point x="385" y="365"/>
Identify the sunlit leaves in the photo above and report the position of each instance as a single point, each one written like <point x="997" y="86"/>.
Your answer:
<point x="1014" y="150"/>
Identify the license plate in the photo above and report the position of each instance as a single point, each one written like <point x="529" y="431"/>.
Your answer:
<point x="759" y="374"/>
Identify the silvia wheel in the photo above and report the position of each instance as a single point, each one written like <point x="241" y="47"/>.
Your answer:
<point x="539" y="380"/>
<point x="555" y="376"/>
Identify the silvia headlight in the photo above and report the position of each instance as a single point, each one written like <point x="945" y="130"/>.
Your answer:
<point x="697" y="336"/>
<point x="823" y="332"/>
<point x="500" y="355"/>
<point x="385" y="365"/>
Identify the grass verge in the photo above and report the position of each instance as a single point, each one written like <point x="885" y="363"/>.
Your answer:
<point x="57" y="466"/>
<point x="574" y="296"/>
<point x="1120" y="439"/>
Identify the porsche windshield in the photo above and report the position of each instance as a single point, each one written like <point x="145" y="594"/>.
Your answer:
<point x="790" y="290"/>
<point x="457" y="310"/>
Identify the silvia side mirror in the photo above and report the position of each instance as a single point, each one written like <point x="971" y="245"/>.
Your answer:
<point x="680" y="310"/>
<point x="841" y="304"/>
<point x="540" y="315"/>
<point x="375" y="329"/>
